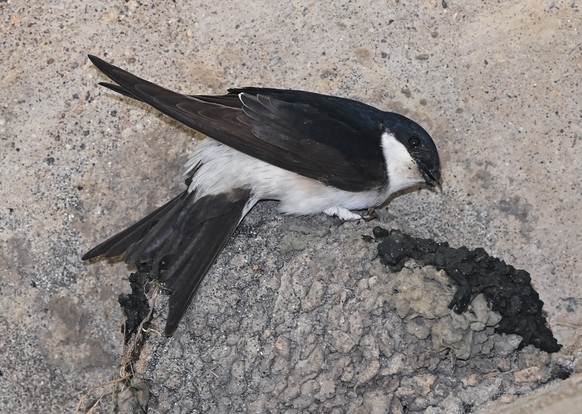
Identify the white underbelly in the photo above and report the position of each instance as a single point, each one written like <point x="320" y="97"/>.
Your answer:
<point x="222" y="168"/>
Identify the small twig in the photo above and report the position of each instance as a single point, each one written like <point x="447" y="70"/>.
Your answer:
<point x="126" y="369"/>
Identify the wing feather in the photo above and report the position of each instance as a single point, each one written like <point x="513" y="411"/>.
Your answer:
<point x="330" y="139"/>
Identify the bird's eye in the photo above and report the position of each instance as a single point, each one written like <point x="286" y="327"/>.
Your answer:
<point x="414" y="141"/>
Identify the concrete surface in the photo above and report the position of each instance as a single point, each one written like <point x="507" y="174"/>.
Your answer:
<point x="564" y="397"/>
<point x="498" y="86"/>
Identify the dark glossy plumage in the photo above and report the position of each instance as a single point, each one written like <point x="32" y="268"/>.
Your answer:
<point x="304" y="132"/>
<point x="180" y="240"/>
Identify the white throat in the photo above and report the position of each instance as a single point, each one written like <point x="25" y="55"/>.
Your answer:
<point x="403" y="171"/>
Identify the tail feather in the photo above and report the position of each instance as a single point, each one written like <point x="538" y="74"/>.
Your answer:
<point x="181" y="240"/>
<point x="148" y="248"/>
<point x="122" y="241"/>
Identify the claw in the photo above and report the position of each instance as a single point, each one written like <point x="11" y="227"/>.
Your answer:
<point x="370" y="215"/>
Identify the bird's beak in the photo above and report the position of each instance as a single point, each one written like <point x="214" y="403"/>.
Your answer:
<point x="431" y="178"/>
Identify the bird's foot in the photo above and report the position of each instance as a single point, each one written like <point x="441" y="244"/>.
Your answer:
<point x="342" y="213"/>
<point x="347" y="215"/>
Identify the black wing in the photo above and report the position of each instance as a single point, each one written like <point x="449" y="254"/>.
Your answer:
<point x="330" y="139"/>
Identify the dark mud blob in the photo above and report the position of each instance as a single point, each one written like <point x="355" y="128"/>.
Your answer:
<point x="507" y="290"/>
<point x="135" y="305"/>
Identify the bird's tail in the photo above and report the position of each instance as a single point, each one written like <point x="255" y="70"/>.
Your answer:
<point x="181" y="240"/>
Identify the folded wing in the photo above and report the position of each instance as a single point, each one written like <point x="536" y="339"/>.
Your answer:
<point x="330" y="139"/>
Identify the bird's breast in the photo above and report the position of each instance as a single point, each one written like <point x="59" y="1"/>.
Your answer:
<point x="221" y="169"/>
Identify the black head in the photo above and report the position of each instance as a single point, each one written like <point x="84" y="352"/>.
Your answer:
<point x="419" y="144"/>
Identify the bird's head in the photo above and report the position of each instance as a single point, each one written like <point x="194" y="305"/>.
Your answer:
<point x="411" y="155"/>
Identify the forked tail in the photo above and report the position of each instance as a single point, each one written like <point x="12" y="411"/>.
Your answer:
<point x="181" y="240"/>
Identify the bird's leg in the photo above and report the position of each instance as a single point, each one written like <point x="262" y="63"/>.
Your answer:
<point x="342" y="213"/>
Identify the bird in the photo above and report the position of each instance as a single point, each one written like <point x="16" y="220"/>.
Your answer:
<point x="312" y="153"/>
